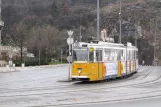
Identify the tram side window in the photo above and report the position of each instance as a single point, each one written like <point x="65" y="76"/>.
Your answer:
<point x="123" y="54"/>
<point x="98" y="55"/>
<point x="112" y="56"/>
<point x="128" y="54"/>
<point x="107" y="54"/>
<point x="136" y="54"/>
<point x="74" y="56"/>
<point x="115" y="55"/>
<point x="119" y="55"/>
<point x="132" y="55"/>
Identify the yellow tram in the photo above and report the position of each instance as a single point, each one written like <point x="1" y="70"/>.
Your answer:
<point x="102" y="60"/>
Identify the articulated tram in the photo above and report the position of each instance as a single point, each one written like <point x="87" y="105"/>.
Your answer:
<point x="102" y="60"/>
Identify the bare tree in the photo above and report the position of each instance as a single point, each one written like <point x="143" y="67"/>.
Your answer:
<point x="19" y="36"/>
<point x="43" y="39"/>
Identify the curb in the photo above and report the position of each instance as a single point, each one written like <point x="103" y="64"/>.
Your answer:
<point x="6" y="70"/>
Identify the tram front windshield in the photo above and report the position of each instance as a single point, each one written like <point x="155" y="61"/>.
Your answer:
<point x="80" y="55"/>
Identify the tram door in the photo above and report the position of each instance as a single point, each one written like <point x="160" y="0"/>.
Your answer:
<point x="99" y="63"/>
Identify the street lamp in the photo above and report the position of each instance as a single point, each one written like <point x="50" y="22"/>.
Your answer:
<point x="70" y="41"/>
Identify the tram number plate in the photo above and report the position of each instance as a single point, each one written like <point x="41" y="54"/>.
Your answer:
<point x="79" y="69"/>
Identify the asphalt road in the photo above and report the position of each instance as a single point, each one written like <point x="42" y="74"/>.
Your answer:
<point x="40" y="88"/>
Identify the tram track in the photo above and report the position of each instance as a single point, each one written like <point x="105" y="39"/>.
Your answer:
<point x="32" y="80"/>
<point x="77" y="89"/>
<point x="71" y="94"/>
<point x="103" y="101"/>
<point x="56" y="86"/>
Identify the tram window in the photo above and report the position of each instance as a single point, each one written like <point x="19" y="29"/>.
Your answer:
<point x="91" y="56"/>
<point x="136" y="55"/>
<point x="128" y="54"/>
<point x="111" y="55"/>
<point x="74" y="56"/>
<point x="80" y="55"/>
<point x="107" y="54"/>
<point x="132" y="54"/>
<point x="98" y="55"/>
<point x="123" y="55"/>
<point x="119" y="54"/>
<point x="115" y="55"/>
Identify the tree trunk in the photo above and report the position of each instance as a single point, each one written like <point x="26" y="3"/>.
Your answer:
<point x="21" y="52"/>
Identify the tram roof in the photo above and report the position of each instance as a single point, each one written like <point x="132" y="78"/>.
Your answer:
<point x="105" y="44"/>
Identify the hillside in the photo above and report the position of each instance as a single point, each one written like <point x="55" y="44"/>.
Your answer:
<point x="42" y="24"/>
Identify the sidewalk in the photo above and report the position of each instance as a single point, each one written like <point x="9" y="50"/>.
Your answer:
<point x="7" y="69"/>
<point x="14" y="69"/>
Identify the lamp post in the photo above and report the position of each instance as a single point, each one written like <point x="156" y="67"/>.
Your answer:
<point x="70" y="41"/>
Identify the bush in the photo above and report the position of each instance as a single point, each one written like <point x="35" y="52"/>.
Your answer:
<point x="31" y="61"/>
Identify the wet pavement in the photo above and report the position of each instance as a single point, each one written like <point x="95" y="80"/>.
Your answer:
<point x="39" y="87"/>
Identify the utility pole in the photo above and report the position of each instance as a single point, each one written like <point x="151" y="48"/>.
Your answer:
<point x="1" y="22"/>
<point x="61" y="55"/>
<point x="120" y="19"/>
<point x="136" y="37"/>
<point x="39" y="56"/>
<point x="80" y="36"/>
<point x="98" y="20"/>
<point x="155" y="41"/>
<point x="46" y="56"/>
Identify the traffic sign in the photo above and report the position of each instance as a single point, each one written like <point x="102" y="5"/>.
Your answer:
<point x="70" y="41"/>
<point x="70" y="33"/>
